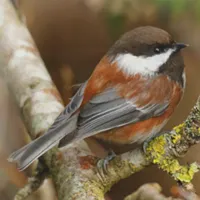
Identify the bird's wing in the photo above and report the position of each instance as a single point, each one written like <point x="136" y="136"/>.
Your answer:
<point x="108" y="110"/>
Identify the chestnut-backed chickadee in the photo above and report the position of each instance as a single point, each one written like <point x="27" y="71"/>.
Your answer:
<point x="129" y="97"/>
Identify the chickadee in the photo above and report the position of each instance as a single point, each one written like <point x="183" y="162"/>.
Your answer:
<point x="128" y="99"/>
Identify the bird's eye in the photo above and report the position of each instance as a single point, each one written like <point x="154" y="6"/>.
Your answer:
<point x="157" y="50"/>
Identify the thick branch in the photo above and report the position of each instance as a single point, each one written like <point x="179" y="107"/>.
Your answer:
<point x="20" y="62"/>
<point x="39" y="102"/>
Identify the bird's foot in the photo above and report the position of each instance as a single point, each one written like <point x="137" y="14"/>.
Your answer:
<point x="103" y="163"/>
<point x="145" y="145"/>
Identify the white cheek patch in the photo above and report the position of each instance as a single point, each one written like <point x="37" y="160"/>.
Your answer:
<point x="131" y="64"/>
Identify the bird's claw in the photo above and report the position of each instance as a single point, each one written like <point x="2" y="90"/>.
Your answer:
<point x="103" y="163"/>
<point x="145" y="145"/>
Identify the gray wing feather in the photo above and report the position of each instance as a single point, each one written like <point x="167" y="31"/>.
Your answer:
<point x="93" y="110"/>
<point x="108" y="95"/>
<point x="108" y="111"/>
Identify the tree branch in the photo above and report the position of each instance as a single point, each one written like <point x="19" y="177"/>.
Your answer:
<point x="74" y="170"/>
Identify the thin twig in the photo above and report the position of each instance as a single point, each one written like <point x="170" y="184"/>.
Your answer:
<point x="33" y="183"/>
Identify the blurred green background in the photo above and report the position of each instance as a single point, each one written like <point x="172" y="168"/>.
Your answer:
<point x="72" y="36"/>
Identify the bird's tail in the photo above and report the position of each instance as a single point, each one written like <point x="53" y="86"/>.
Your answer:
<point x="27" y="154"/>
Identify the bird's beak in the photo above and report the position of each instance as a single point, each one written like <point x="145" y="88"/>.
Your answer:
<point x="179" y="46"/>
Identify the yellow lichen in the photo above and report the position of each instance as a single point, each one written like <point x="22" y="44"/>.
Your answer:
<point x="176" y="138"/>
<point x="170" y="165"/>
<point x="179" y="128"/>
<point x="156" y="148"/>
<point x="180" y="173"/>
<point x="186" y="173"/>
<point x="156" y="153"/>
<point x="157" y="145"/>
